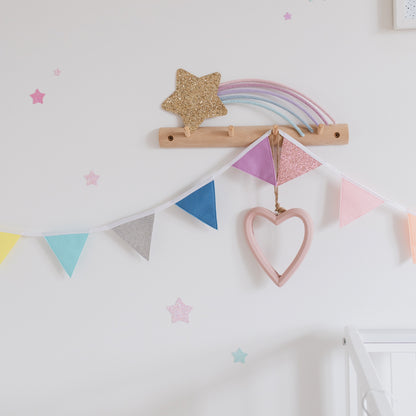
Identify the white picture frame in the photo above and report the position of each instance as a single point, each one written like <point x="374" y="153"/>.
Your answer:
<point x="404" y="14"/>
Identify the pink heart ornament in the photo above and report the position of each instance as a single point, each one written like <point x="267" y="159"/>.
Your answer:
<point x="278" y="279"/>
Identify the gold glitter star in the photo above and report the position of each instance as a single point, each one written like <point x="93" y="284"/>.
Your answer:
<point x="195" y="99"/>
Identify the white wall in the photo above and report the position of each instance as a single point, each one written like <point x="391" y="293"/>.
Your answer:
<point x="102" y="343"/>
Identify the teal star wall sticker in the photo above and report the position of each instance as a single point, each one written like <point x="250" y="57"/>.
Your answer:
<point x="239" y="356"/>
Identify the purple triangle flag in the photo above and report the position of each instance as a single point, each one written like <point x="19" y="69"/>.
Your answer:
<point x="259" y="162"/>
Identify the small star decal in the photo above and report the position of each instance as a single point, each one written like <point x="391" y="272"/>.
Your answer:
<point x="37" y="97"/>
<point x="239" y="356"/>
<point x="91" y="178"/>
<point x="287" y="16"/>
<point x="57" y="72"/>
<point x="179" y="311"/>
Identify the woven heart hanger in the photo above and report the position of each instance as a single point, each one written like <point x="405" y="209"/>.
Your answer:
<point x="277" y="217"/>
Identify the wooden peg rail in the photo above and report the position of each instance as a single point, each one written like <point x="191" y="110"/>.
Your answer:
<point x="242" y="136"/>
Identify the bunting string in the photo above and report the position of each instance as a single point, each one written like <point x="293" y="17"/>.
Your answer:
<point x="106" y="227"/>
<point x="205" y="181"/>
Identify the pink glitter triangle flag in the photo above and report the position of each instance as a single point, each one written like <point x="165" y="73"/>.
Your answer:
<point x="259" y="162"/>
<point x="355" y="202"/>
<point x="294" y="162"/>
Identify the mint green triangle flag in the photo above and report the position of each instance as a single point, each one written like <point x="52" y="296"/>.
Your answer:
<point x="67" y="249"/>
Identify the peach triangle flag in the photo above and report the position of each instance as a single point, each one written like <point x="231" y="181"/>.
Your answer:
<point x="7" y="241"/>
<point x="294" y="162"/>
<point x="355" y="202"/>
<point x="412" y="234"/>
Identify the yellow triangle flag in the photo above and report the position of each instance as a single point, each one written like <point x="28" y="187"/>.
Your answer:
<point x="7" y="241"/>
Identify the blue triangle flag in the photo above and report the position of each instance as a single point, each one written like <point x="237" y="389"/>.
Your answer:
<point x="201" y="204"/>
<point x="67" y="248"/>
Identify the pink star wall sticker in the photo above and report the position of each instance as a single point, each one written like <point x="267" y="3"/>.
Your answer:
<point x="57" y="72"/>
<point x="287" y="16"/>
<point x="179" y="311"/>
<point x="37" y="97"/>
<point x="91" y="178"/>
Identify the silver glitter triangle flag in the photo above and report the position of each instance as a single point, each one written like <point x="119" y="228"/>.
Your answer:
<point x="138" y="234"/>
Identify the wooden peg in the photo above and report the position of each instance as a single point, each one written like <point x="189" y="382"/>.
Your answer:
<point x="187" y="131"/>
<point x="275" y="136"/>
<point x="278" y="137"/>
<point x="231" y="131"/>
<point x="320" y="129"/>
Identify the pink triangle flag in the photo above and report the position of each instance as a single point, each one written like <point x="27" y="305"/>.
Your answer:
<point x="259" y="162"/>
<point x="294" y="162"/>
<point x="355" y="202"/>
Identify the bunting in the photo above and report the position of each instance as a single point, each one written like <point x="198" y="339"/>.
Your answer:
<point x="67" y="249"/>
<point x="259" y="162"/>
<point x="256" y="160"/>
<point x="201" y="204"/>
<point x="355" y="202"/>
<point x="294" y="162"/>
<point x="7" y="242"/>
<point x="138" y="234"/>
